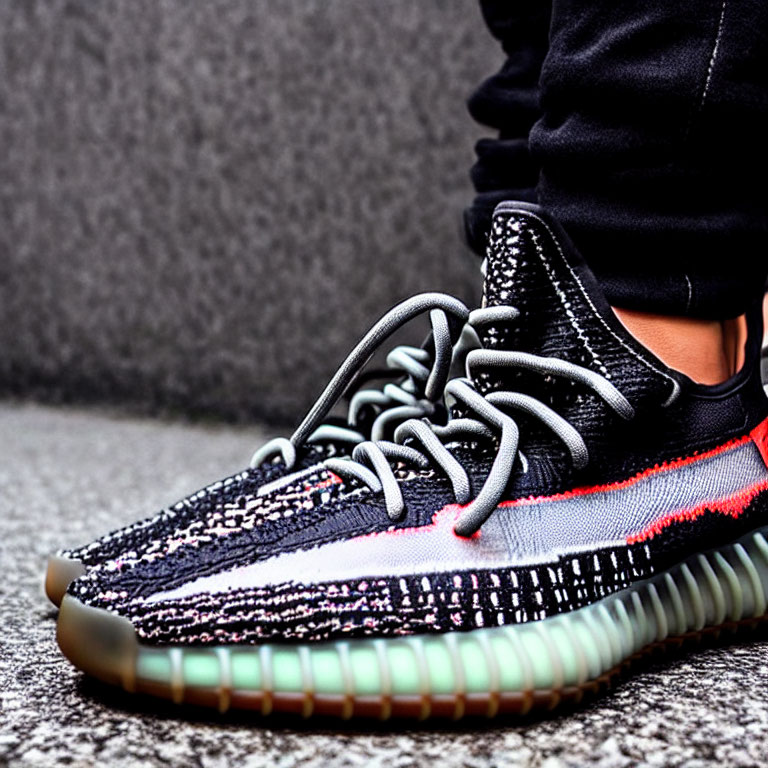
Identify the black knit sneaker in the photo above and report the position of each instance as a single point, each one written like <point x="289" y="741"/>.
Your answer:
<point x="584" y="503"/>
<point x="416" y="380"/>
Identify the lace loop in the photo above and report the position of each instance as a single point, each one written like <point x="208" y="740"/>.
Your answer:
<point x="434" y="449"/>
<point x="423" y="385"/>
<point x="533" y="407"/>
<point x="488" y="421"/>
<point x="553" y="366"/>
<point x="398" y="415"/>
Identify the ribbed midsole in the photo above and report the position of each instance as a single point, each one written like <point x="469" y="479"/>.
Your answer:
<point x="553" y="655"/>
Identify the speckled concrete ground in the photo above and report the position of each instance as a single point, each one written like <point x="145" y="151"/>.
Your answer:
<point x="67" y="475"/>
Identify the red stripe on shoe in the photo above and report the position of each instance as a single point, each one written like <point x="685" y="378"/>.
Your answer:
<point x="444" y="517"/>
<point x="759" y="432"/>
<point x="732" y="506"/>
<point x="760" y="437"/>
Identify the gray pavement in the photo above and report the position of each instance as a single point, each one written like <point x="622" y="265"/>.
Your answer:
<point x="68" y="475"/>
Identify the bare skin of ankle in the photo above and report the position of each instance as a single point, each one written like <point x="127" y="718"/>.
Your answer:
<point x="708" y="351"/>
<point x="765" y="320"/>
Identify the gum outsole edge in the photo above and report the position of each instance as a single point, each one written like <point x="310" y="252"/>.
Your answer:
<point x="59" y="574"/>
<point x="555" y="660"/>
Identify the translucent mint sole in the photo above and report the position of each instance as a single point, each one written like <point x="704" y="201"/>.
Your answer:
<point x="514" y="668"/>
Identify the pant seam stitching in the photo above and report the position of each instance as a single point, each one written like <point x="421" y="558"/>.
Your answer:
<point x="711" y="65"/>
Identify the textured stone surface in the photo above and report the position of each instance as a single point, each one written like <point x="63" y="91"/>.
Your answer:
<point x="67" y="475"/>
<point x="203" y="204"/>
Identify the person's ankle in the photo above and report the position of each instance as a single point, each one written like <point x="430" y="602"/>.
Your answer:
<point x="707" y="351"/>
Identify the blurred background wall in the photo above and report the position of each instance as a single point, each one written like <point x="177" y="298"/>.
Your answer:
<point x="204" y="204"/>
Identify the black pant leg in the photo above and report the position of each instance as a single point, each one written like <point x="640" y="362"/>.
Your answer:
<point x="509" y="102"/>
<point x="653" y="146"/>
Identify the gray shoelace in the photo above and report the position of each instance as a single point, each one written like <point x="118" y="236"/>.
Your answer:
<point x="425" y="375"/>
<point x="372" y="462"/>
